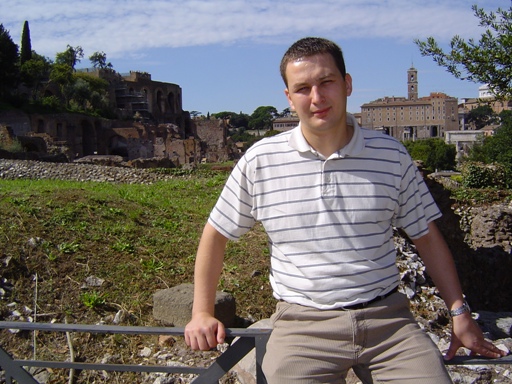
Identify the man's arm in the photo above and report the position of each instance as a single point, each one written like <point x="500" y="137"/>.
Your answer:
<point x="440" y="266"/>
<point x="204" y="331"/>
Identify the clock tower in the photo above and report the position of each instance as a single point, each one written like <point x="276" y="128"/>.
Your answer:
<point x="412" y="84"/>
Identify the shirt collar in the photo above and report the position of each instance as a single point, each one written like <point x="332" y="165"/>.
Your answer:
<point x="298" y="142"/>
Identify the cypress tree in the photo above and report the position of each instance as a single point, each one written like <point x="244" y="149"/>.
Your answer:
<point x="26" y="46"/>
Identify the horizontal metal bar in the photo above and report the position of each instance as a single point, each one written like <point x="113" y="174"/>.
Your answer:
<point x="478" y="360"/>
<point x="91" y="328"/>
<point x="179" y="331"/>
<point x="108" y="367"/>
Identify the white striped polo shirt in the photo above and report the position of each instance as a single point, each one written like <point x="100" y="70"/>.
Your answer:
<point x="329" y="221"/>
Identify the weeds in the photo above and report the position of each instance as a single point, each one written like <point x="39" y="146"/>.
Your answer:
<point x="68" y="248"/>
<point x="123" y="246"/>
<point x="152" y="265"/>
<point x="93" y="299"/>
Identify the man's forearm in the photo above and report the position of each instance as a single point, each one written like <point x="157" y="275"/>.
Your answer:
<point x="208" y="267"/>
<point x="440" y="266"/>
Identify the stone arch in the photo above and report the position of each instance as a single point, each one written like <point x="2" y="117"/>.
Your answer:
<point x="89" y="140"/>
<point x="160" y="101"/>
<point x="118" y="146"/>
<point x="171" y="99"/>
<point x="148" y="98"/>
<point x="60" y="132"/>
<point x="30" y="147"/>
<point x="40" y="126"/>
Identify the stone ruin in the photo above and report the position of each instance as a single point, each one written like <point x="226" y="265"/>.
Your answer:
<point x="151" y="124"/>
<point x="66" y="137"/>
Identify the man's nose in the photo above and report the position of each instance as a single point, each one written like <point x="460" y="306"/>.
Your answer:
<point x="316" y="94"/>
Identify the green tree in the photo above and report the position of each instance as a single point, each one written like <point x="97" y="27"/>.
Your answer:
<point x="285" y="112"/>
<point x="90" y="94"/>
<point x="442" y="156"/>
<point x="240" y="120"/>
<point x="63" y="69"/>
<point x="262" y="118"/>
<point x="99" y="60"/>
<point x="419" y="150"/>
<point x="223" y="115"/>
<point x="487" y="61"/>
<point x="79" y="93"/>
<point x="35" y="71"/>
<point x="236" y="120"/>
<point x="434" y="153"/>
<point x="9" y="70"/>
<point x="70" y="57"/>
<point x="62" y="74"/>
<point x="481" y="116"/>
<point x="26" y="45"/>
<point x="496" y="148"/>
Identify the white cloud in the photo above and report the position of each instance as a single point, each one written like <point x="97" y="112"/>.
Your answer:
<point x="127" y="28"/>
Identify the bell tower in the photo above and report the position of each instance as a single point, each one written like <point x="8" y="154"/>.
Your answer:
<point x="412" y="84"/>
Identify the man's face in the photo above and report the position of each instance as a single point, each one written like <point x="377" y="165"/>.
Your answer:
<point x="318" y="93"/>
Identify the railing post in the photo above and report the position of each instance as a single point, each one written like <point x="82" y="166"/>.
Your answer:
<point x="260" y="343"/>
<point x="14" y="371"/>
<point x="226" y="361"/>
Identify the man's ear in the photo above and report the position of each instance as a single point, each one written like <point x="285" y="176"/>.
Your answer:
<point x="287" y="93"/>
<point x="348" y="84"/>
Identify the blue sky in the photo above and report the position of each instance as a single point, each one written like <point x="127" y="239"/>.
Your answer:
<point x="225" y="54"/>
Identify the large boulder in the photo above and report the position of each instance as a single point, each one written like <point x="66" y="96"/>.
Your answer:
<point x="173" y="306"/>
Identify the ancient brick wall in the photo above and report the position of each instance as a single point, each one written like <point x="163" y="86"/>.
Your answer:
<point x="82" y="135"/>
<point x="214" y="132"/>
<point x="17" y="121"/>
<point x="182" y="152"/>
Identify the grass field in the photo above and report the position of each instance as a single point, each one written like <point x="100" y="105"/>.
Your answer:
<point x="137" y="238"/>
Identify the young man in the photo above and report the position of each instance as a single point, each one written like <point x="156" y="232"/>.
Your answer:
<point x="328" y="194"/>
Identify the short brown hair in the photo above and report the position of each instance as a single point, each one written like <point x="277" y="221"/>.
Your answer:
<point x="310" y="46"/>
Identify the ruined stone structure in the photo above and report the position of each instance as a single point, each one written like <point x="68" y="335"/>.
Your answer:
<point x="80" y="135"/>
<point x="463" y="140"/>
<point x="151" y="124"/>
<point x="214" y="132"/>
<point x="136" y="93"/>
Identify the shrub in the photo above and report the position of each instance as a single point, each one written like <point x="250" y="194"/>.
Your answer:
<point x="52" y="102"/>
<point x="433" y="152"/>
<point x="478" y="175"/>
<point x="10" y="145"/>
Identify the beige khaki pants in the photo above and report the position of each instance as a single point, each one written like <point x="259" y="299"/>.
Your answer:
<point x="381" y="343"/>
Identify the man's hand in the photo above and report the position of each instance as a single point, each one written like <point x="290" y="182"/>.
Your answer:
<point x="204" y="332"/>
<point x="467" y="333"/>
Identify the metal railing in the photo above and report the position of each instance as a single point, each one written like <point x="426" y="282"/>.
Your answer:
<point x="248" y="339"/>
